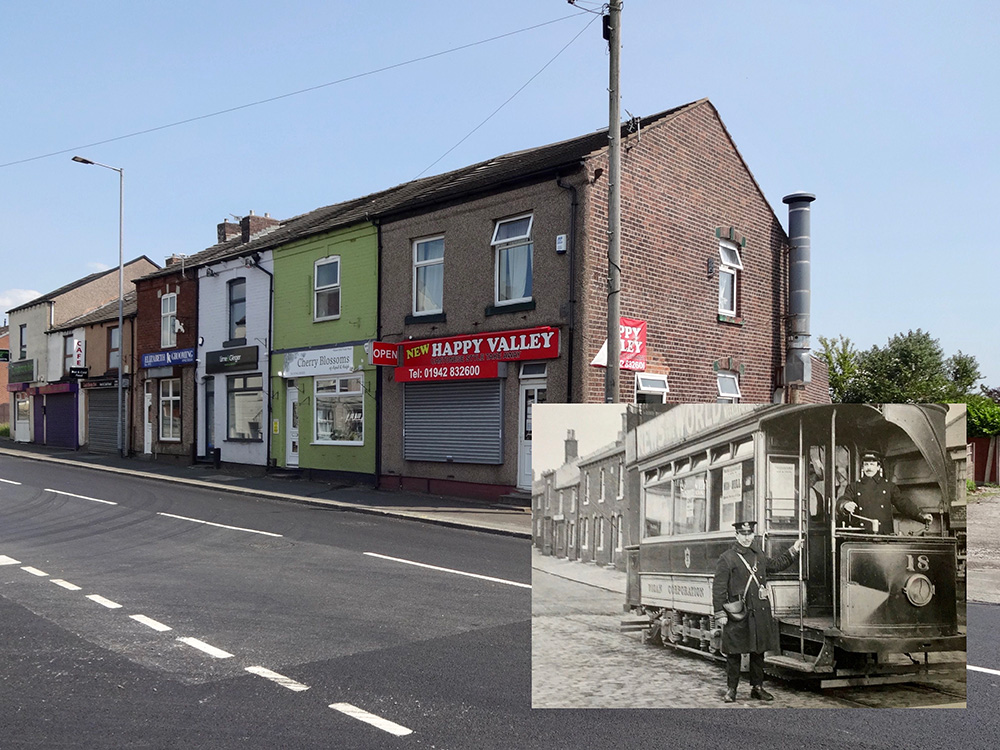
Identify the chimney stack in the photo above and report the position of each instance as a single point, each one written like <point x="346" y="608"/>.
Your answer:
<point x="253" y="225"/>
<point x="571" y="445"/>
<point x="227" y="231"/>
<point x="173" y="260"/>
<point x="798" y="365"/>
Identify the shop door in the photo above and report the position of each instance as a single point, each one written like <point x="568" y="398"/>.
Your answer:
<point x="147" y="423"/>
<point x="22" y="418"/>
<point x="531" y="393"/>
<point x="102" y="413"/>
<point x="209" y="416"/>
<point x="292" y="429"/>
<point x="61" y="420"/>
<point x="38" y="412"/>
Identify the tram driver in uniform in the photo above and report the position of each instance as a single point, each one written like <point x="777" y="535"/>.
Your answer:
<point x="869" y="502"/>
<point x="741" y="575"/>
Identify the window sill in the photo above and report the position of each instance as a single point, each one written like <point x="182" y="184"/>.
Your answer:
<point x="430" y="318"/>
<point x="323" y="320"/>
<point x="234" y="342"/>
<point x="335" y="442"/>
<point x="731" y="319"/>
<point x="514" y="307"/>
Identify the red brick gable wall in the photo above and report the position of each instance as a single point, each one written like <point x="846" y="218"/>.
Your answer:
<point x="681" y="181"/>
<point x="148" y="293"/>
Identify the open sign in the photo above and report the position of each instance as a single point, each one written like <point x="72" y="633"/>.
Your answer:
<point x="383" y="353"/>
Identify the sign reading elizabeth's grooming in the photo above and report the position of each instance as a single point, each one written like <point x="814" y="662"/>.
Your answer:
<point x="168" y="358"/>
<point x="231" y="360"/>
<point x="475" y="355"/>
<point x="319" y="362"/>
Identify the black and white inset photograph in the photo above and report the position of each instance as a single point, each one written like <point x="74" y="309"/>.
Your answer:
<point x="749" y="556"/>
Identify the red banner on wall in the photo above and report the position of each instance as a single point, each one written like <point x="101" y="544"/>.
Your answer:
<point x="474" y="355"/>
<point x="632" y="354"/>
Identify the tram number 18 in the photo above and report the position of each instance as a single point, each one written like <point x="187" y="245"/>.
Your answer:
<point x="918" y="562"/>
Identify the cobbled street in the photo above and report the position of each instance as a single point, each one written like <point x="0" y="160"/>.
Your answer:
<point x="580" y="659"/>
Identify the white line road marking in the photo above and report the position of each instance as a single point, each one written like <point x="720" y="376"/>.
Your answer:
<point x="4" y="560"/>
<point x="34" y="571"/>
<point x="104" y="602"/>
<point x="449" y="570"/>
<point x="278" y="678"/>
<point x="983" y="669"/>
<point x="150" y="622"/>
<point x="376" y="721"/>
<point x="10" y="481"/>
<point x="220" y="525"/>
<point x="65" y="584"/>
<point x="82" y="497"/>
<point x="218" y="653"/>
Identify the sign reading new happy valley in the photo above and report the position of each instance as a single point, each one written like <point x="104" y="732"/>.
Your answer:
<point x="475" y="355"/>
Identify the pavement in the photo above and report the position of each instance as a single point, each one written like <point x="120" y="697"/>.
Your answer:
<point x="587" y="573"/>
<point x="247" y="480"/>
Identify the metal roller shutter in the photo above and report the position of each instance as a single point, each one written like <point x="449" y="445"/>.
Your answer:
<point x="459" y="421"/>
<point x="102" y="409"/>
<point x="60" y="420"/>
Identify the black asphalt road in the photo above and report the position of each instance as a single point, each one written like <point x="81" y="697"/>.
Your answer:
<point x="441" y="655"/>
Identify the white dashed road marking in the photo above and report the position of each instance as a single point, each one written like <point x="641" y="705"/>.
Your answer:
<point x="4" y="560"/>
<point x="219" y="525"/>
<point x="209" y="649"/>
<point x="376" y="721"/>
<point x="983" y="669"/>
<point x="65" y="584"/>
<point x="104" y="602"/>
<point x="34" y="571"/>
<point x="278" y="678"/>
<point x="150" y="622"/>
<point x="82" y="497"/>
<point x="10" y="481"/>
<point x="449" y="570"/>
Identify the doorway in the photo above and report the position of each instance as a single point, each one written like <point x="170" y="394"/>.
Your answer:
<point x="292" y="426"/>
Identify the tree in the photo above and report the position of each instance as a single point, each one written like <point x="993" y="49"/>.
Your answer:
<point x="841" y="362"/>
<point x="983" y="415"/>
<point x="910" y="368"/>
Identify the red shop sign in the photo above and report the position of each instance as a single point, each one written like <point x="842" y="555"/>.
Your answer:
<point x="474" y="355"/>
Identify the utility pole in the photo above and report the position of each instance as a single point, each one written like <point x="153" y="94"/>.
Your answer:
<point x="613" y="35"/>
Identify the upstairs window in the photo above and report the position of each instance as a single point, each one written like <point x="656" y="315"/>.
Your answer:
<point x="651" y="389"/>
<point x="729" y="271"/>
<point x="512" y="240"/>
<point x="168" y="320"/>
<point x="114" y="348"/>
<point x="68" y="352"/>
<point x="326" y="289"/>
<point x="238" y="309"/>
<point x="24" y="341"/>
<point x="729" y="388"/>
<point x="428" y="276"/>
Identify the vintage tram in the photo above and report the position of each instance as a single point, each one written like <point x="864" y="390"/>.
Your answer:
<point x="858" y="607"/>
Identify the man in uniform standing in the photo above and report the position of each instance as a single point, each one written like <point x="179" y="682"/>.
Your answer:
<point x="742" y="574"/>
<point x="870" y="501"/>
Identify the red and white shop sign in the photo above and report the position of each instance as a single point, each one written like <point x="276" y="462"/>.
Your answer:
<point x="632" y="354"/>
<point x="475" y="355"/>
<point x="383" y="353"/>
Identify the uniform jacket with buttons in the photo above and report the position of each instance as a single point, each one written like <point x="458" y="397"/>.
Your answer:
<point x="876" y="497"/>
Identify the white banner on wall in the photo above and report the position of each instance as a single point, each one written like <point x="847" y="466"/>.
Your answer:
<point x="332" y="361"/>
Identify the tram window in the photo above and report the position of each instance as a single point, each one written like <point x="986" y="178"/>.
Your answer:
<point x="783" y="492"/>
<point x="816" y="484"/>
<point x="658" y="509"/>
<point x="726" y="495"/>
<point x="747" y="477"/>
<point x="690" y="504"/>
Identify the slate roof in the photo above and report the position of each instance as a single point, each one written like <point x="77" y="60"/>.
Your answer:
<point x="103" y="314"/>
<point x="488" y="175"/>
<point x="76" y="284"/>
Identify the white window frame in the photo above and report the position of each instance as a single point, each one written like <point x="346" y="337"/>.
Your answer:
<point x="23" y="343"/>
<point x="586" y="488"/>
<point x="317" y="289"/>
<point x="619" y="534"/>
<point x="240" y="282"/>
<point x="600" y="498"/>
<point x="585" y="532"/>
<point x="729" y="253"/>
<point x="418" y="264"/>
<point x="621" y="478"/>
<point x="114" y="352"/>
<point x="731" y="395"/>
<point x="599" y="520"/>
<point x="168" y="320"/>
<point x="511" y="243"/>
<point x="69" y="352"/>
<point x="341" y="390"/>
<point x="572" y="499"/>
<point x="651" y="385"/>
<point x="169" y="395"/>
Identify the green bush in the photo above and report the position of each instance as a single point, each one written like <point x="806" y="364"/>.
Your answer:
<point x="4" y="430"/>
<point x="970" y="486"/>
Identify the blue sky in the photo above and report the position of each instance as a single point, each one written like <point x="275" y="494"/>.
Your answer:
<point x="882" y="109"/>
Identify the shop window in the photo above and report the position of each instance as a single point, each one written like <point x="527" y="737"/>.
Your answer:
<point x="238" y="309"/>
<point x="340" y="410"/>
<point x="428" y="276"/>
<point x="729" y="388"/>
<point x="651" y="389"/>
<point x="326" y="289"/>
<point x="245" y="397"/>
<point x="514" y="248"/>
<point x="170" y="409"/>
<point x="114" y="348"/>
<point x="729" y="272"/>
<point x="168" y="321"/>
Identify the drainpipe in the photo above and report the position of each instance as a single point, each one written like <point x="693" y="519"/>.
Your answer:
<point x="254" y="261"/>
<point x="378" y="370"/>
<point x="798" y="364"/>
<point x="572" y="286"/>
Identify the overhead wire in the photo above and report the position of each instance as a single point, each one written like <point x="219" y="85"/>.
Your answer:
<point x="509" y="99"/>
<point x="307" y="90"/>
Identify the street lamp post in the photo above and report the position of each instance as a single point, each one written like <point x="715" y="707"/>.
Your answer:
<point x="121" y="286"/>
